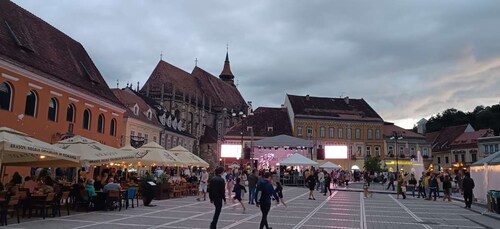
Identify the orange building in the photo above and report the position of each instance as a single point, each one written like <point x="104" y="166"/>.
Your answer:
<point x="49" y="86"/>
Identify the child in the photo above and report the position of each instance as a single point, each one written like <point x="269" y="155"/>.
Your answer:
<point x="237" y="192"/>
<point x="365" y="190"/>
<point x="279" y="191"/>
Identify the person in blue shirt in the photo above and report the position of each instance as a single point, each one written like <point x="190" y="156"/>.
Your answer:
<point x="265" y="191"/>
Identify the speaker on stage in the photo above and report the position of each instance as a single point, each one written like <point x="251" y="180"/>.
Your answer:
<point x="320" y="154"/>
<point x="246" y="153"/>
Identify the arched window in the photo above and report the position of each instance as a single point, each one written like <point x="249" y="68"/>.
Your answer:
<point x="112" y="129"/>
<point x="87" y="118"/>
<point x="100" y="123"/>
<point x="70" y="113"/>
<point x="31" y="104"/>
<point x="5" y="96"/>
<point x="53" y="108"/>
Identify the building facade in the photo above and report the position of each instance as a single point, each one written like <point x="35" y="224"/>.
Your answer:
<point x="487" y="146"/>
<point x="465" y="149"/>
<point x="337" y="121"/>
<point x="49" y="86"/>
<point x="441" y="145"/>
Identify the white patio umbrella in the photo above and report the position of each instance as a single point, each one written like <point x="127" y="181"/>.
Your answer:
<point x="93" y="152"/>
<point x="18" y="149"/>
<point x="187" y="157"/>
<point x="154" y="154"/>
<point x="330" y="165"/>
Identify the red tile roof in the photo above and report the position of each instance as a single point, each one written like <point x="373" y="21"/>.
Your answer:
<point x="389" y="129"/>
<point x="445" y="137"/>
<point x="128" y="98"/>
<point x="470" y="138"/>
<point x="35" y="45"/>
<point x="262" y="118"/>
<point x="338" y="108"/>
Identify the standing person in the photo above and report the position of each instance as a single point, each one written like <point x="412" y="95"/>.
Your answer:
<point x="279" y="191"/>
<point x="328" y="181"/>
<point x="311" y="183"/>
<point x="468" y="186"/>
<point x="421" y="189"/>
<point x="217" y="195"/>
<point x="433" y="186"/>
<point x="447" y="188"/>
<point x="263" y="199"/>
<point x="427" y="185"/>
<point x="400" y="187"/>
<point x="412" y="183"/>
<point x="237" y="192"/>
<point x="365" y="190"/>
<point x="252" y="186"/>
<point x="321" y="179"/>
<point x="230" y="183"/>
<point x="391" y="181"/>
<point x="203" y="184"/>
<point x="243" y="180"/>
<point x="347" y="177"/>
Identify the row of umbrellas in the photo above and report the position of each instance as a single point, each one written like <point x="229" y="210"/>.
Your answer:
<point x="18" y="149"/>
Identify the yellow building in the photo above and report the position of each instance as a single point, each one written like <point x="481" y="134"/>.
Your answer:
<point x="337" y="122"/>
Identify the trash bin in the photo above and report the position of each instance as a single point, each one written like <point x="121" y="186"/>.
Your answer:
<point x="494" y="196"/>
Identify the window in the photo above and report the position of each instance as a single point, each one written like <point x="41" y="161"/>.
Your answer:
<point x="358" y="133"/>
<point x="491" y="149"/>
<point x="463" y="157"/>
<point x="87" y="118"/>
<point x="377" y="151"/>
<point x="31" y="104"/>
<point x="377" y="134"/>
<point x="139" y="135"/>
<point x="473" y="157"/>
<point x="112" y="128"/>
<point x="100" y="123"/>
<point x="446" y="160"/>
<point x="332" y="132"/>
<point x="70" y="113"/>
<point x="53" y="107"/>
<point x="391" y="150"/>
<point x="425" y="152"/>
<point x="456" y="157"/>
<point x="349" y="133"/>
<point x="496" y="147"/>
<point x="401" y="150"/>
<point x="154" y="138"/>
<point x="309" y="131"/>
<point x="150" y="114"/>
<point x="412" y="151"/>
<point x="370" y="134"/>
<point x="341" y="135"/>
<point x="299" y="131"/>
<point x="359" y="150"/>
<point x="136" y="110"/>
<point x="486" y="149"/>
<point x="368" y="151"/>
<point x="439" y="160"/>
<point x="146" y="136"/>
<point x="5" y="96"/>
<point x="132" y="133"/>
<point x="322" y="132"/>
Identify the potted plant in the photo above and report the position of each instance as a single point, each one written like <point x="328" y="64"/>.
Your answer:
<point x="163" y="187"/>
<point x="147" y="190"/>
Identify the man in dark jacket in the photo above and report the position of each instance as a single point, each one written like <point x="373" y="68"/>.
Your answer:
<point x="217" y="193"/>
<point x="252" y="187"/>
<point x="468" y="186"/>
<point x="263" y="198"/>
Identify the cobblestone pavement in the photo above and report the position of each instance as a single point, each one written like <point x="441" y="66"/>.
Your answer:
<point x="341" y="210"/>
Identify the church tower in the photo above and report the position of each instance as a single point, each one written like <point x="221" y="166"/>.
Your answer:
<point x="226" y="75"/>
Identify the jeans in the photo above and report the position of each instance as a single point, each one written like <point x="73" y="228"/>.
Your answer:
<point x="322" y="186"/>
<point x="468" y="199"/>
<point x="427" y="191"/>
<point x="433" y="190"/>
<point x="218" y="209"/>
<point x="264" y="207"/>
<point x="252" y="195"/>
<point x="413" y="190"/>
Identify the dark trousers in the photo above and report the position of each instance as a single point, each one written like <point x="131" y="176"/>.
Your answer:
<point x="468" y="199"/>
<point x="264" y="207"/>
<point x="218" y="209"/>
<point x="433" y="190"/>
<point x="391" y="183"/>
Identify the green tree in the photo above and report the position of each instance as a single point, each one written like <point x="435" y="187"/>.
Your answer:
<point x="372" y="164"/>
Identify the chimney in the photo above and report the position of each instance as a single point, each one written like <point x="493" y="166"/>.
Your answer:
<point x="346" y="99"/>
<point x="307" y="97"/>
<point x="137" y="86"/>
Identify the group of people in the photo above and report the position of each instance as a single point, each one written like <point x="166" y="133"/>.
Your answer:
<point x="40" y="184"/>
<point x="261" y="191"/>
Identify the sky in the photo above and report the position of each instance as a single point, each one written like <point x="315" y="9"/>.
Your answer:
<point x="408" y="59"/>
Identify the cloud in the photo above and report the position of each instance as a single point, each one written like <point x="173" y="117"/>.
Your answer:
<point x="407" y="59"/>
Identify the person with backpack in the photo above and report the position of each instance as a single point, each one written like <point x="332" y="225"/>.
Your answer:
<point x="265" y="191"/>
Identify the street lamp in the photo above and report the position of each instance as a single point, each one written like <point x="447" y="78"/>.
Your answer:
<point x="396" y="136"/>
<point x="241" y="115"/>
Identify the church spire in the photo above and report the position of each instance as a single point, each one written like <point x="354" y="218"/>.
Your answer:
<point x="226" y="74"/>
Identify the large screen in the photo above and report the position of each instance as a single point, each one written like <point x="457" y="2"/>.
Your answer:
<point x="336" y="152"/>
<point x="230" y="151"/>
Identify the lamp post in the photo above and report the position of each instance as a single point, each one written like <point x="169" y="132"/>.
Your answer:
<point x="396" y="136"/>
<point x="241" y="115"/>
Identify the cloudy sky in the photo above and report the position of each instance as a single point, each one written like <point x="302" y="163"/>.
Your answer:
<point x="408" y="60"/>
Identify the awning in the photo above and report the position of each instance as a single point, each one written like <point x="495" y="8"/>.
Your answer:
<point x="152" y="154"/>
<point x="93" y="152"/>
<point x="297" y="159"/>
<point x="330" y="165"/>
<point x="493" y="159"/>
<point x="187" y="157"/>
<point x="18" y="149"/>
<point x="282" y="141"/>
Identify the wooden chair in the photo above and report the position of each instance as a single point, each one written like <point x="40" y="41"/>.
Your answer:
<point x="194" y="189"/>
<point x="44" y="205"/>
<point x="63" y="201"/>
<point x="113" y="198"/>
<point x="83" y="199"/>
<point x="24" y="200"/>
<point x="12" y="208"/>
<point x="176" y="191"/>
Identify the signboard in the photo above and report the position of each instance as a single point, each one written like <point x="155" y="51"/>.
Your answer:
<point x="336" y="152"/>
<point x="230" y="151"/>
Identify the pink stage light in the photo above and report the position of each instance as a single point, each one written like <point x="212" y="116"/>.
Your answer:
<point x="336" y="152"/>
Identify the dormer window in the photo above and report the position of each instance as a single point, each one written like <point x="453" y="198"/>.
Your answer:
<point x="136" y="110"/>
<point x="269" y="129"/>
<point x="249" y="128"/>
<point x="150" y="114"/>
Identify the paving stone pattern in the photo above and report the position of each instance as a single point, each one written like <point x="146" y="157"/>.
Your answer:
<point x="344" y="209"/>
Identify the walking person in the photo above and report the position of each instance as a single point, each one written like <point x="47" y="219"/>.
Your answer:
<point x="263" y="198"/>
<point x="217" y="195"/>
<point x="279" y="191"/>
<point x="328" y="181"/>
<point x="421" y="189"/>
<point x="427" y="185"/>
<point x="433" y="187"/>
<point x="365" y="189"/>
<point x="203" y="184"/>
<point x="311" y="183"/>
<point x="321" y="179"/>
<point x="412" y="183"/>
<point x="230" y="183"/>
<point x="252" y="186"/>
<point x="468" y="186"/>
<point x="400" y="187"/>
<point x="447" y="188"/>
<point x="238" y="188"/>
<point x="391" y="181"/>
